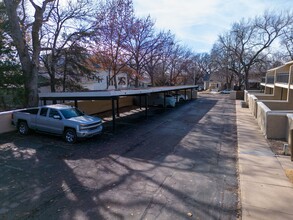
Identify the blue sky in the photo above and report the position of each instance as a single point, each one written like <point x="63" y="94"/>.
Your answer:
<point x="197" y="23"/>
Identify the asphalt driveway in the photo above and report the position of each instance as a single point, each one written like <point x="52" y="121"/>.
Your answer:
<point x="177" y="164"/>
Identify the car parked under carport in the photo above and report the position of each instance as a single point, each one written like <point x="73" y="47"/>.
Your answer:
<point x="157" y="99"/>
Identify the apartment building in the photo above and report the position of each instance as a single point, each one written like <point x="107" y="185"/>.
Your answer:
<point x="272" y="106"/>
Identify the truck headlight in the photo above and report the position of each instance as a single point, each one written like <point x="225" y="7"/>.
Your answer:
<point x="82" y="126"/>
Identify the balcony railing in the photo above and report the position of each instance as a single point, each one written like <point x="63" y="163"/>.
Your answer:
<point x="282" y="78"/>
<point x="270" y="79"/>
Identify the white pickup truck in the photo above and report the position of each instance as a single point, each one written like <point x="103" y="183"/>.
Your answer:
<point x="62" y="120"/>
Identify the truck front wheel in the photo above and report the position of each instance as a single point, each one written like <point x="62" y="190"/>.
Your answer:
<point x="23" y="128"/>
<point x="70" y="136"/>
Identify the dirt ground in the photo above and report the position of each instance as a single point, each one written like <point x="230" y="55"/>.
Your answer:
<point x="289" y="174"/>
<point x="277" y="146"/>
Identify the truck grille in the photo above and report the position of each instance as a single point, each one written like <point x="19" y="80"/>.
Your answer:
<point x="92" y="126"/>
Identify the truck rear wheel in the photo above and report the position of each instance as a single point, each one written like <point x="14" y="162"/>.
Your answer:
<point x="23" y="128"/>
<point x="70" y="136"/>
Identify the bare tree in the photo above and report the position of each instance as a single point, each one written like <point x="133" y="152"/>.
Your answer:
<point x="154" y="58"/>
<point x="192" y="75"/>
<point x="224" y="64"/>
<point x="175" y="63"/>
<point x="64" y="30"/>
<point x="202" y="65"/>
<point x="287" y="42"/>
<point x="180" y="65"/>
<point x="249" y="41"/>
<point x="112" y="35"/>
<point x="141" y="42"/>
<point x="11" y="77"/>
<point x="163" y="69"/>
<point x="26" y="37"/>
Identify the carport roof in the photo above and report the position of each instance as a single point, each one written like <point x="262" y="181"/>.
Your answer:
<point x="110" y="93"/>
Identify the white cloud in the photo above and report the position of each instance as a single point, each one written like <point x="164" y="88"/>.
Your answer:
<point x="175" y="13"/>
<point x="198" y="23"/>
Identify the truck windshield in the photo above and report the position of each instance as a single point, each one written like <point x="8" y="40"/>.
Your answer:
<point x="71" y="113"/>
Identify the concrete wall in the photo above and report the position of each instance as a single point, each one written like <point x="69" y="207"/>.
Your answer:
<point x="254" y="98"/>
<point x="262" y="116"/>
<point x="290" y="95"/>
<point x="5" y="119"/>
<point x="277" y="125"/>
<point x="273" y="124"/>
<point x="266" y="97"/>
<point x="247" y="92"/>
<point x="98" y="106"/>
<point x="268" y="90"/>
<point x="290" y="133"/>
<point x="246" y="97"/>
<point x="239" y="95"/>
<point x="252" y="104"/>
<point x="280" y="93"/>
<point x="279" y="105"/>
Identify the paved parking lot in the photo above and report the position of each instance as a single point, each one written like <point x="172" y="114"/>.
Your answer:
<point x="177" y="164"/>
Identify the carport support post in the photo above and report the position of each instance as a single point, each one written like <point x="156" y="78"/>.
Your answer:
<point x="45" y="102"/>
<point x="291" y="152"/>
<point x="140" y="102"/>
<point x="190" y="94"/>
<point x="75" y="103"/>
<point x="117" y="102"/>
<point x="291" y="138"/>
<point x="164" y="101"/>
<point x="113" y="114"/>
<point x="185" y="94"/>
<point x="146" y="105"/>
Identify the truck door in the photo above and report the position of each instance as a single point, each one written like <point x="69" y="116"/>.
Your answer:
<point x="41" y="123"/>
<point x="54" y="122"/>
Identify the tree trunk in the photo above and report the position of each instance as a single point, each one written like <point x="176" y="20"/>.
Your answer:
<point x="30" y="73"/>
<point x="115" y="82"/>
<point x="152" y="79"/>
<point x="239" y="79"/>
<point x="246" y="75"/>
<point x="136" y="81"/>
<point x="31" y="83"/>
<point x="64" y="74"/>
<point x="30" y="70"/>
<point x="53" y="76"/>
<point x="64" y="82"/>
<point x="29" y="63"/>
<point x="52" y="84"/>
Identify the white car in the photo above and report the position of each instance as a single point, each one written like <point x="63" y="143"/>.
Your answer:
<point x="180" y="97"/>
<point x="158" y="100"/>
<point x="226" y="91"/>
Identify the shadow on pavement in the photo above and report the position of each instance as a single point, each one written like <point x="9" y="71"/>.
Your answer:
<point x="177" y="163"/>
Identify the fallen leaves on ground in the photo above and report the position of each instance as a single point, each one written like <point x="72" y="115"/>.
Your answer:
<point x="289" y="174"/>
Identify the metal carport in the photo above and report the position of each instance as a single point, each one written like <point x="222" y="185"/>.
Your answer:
<point x="112" y="95"/>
